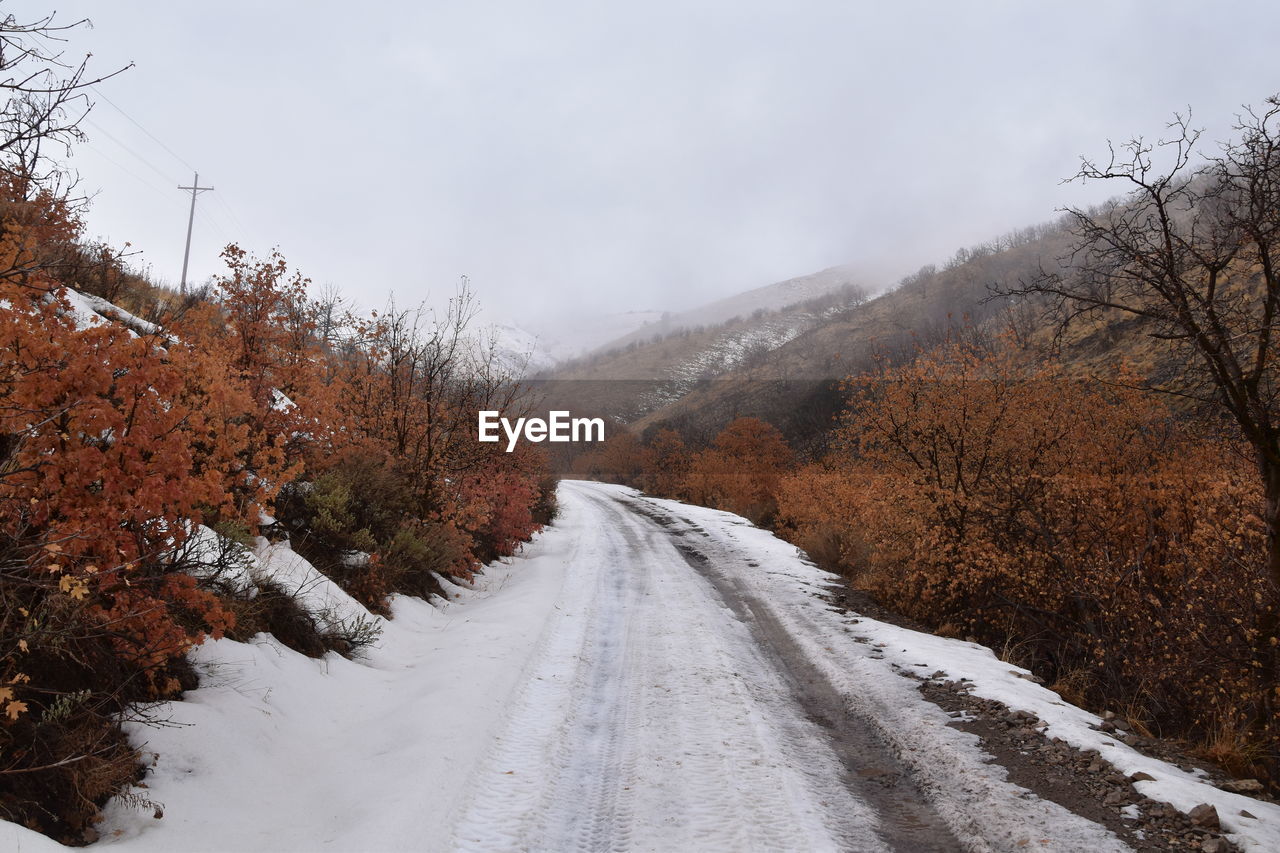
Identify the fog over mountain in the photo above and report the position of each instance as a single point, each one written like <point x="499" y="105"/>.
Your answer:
<point x="607" y="158"/>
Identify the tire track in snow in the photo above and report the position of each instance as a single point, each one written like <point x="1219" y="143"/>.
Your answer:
<point x="650" y="720"/>
<point x="593" y="760"/>
<point x="744" y="746"/>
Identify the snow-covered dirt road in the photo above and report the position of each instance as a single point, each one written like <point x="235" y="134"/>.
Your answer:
<point x="650" y="718"/>
<point x="668" y="707"/>
<point x="647" y="675"/>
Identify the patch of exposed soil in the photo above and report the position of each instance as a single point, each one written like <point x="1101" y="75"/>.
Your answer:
<point x="1078" y="780"/>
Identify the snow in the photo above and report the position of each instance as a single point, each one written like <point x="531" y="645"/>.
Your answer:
<point x="210" y="555"/>
<point x="517" y="350"/>
<point x="595" y="692"/>
<point x="791" y="586"/>
<point x="276" y="751"/>
<point x="19" y="839"/>
<point x="730" y="348"/>
<point x="89" y="310"/>
<point x="980" y="807"/>
<point x="334" y="610"/>
<point x="649" y="720"/>
<point x="280" y="401"/>
<point x="243" y="571"/>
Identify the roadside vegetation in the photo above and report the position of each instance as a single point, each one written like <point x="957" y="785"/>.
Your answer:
<point x="1110" y="522"/>
<point x="150" y="439"/>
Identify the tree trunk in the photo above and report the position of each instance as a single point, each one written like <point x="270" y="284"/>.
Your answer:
<point x="1269" y="619"/>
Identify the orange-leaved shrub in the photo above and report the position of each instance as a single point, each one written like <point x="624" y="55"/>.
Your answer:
<point x="740" y="471"/>
<point x="1073" y="522"/>
<point x="406" y="494"/>
<point x="112" y="446"/>
<point x="664" y="465"/>
<point x="116" y="443"/>
<point x="618" y="459"/>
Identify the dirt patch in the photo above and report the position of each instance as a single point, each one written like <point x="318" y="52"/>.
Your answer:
<point x="846" y="599"/>
<point x="1077" y="780"/>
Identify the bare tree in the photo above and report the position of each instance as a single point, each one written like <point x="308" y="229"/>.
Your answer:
<point x="46" y="98"/>
<point x="1191" y="255"/>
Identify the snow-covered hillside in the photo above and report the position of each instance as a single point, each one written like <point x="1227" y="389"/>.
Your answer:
<point x="572" y="335"/>
<point x="769" y="298"/>
<point x="517" y="350"/>
<point x="541" y="346"/>
<point x="730" y="348"/>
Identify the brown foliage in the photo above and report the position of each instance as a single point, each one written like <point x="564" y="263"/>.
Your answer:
<point x="1008" y="501"/>
<point x="446" y="502"/>
<point x="664" y="465"/>
<point x="113" y="446"/>
<point x="619" y="459"/>
<point x="741" y="470"/>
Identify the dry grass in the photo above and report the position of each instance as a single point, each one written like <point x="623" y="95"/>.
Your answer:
<point x="1236" y="749"/>
<point x="1074" y="685"/>
<point x="274" y="611"/>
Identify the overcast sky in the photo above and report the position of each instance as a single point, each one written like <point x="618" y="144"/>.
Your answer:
<point x="606" y="156"/>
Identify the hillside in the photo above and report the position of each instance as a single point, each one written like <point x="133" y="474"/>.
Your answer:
<point x="643" y="374"/>
<point x="776" y="298"/>
<point x="786" y="366"/>
<point x="705" y="341"/>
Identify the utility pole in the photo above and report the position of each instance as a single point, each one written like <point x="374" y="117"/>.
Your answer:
<point x="195" y="189"/>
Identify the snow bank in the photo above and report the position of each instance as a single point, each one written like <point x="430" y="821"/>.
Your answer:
<point x="243" y="571"/>
<point x="277" y="751"/>
<point x="329" y="604"/>
<point x="19" y="839"/>
<point x="212" y="557"/>
<point x="88" y="310"/>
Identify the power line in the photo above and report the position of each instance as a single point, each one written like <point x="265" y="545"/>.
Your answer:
<point x="208" y="217"/>
<point x="227" y="206"/>
<point x="195" y="189"/>
<point x="135" y="154"/>
<point x="156" y="139"/>
<point x="144" y="181"/>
